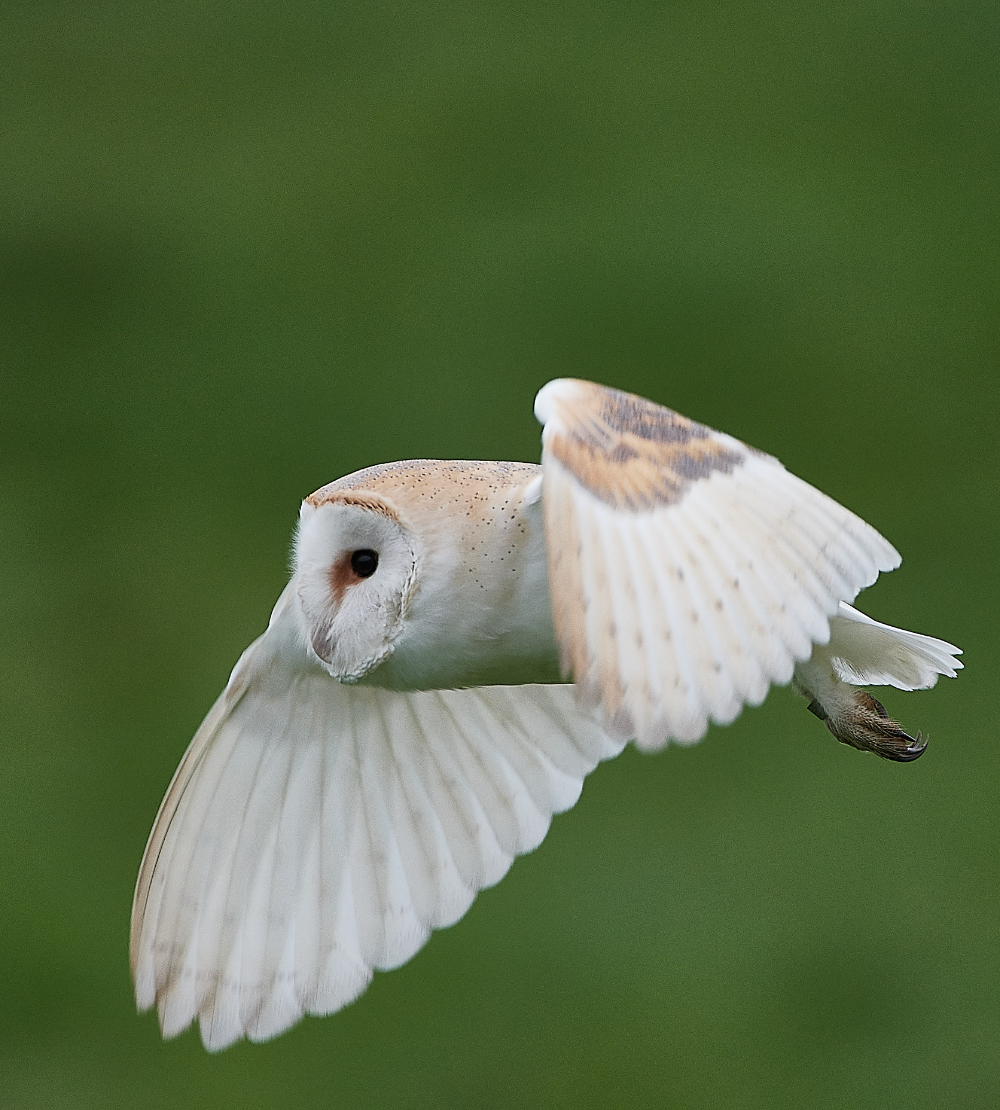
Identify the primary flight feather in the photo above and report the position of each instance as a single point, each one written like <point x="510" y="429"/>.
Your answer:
<point x="386" y="748"/>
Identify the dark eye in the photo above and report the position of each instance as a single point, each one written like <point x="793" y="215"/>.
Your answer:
<point x="364" y="562"/>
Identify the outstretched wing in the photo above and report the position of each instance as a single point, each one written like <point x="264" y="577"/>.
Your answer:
<point x="687" y="571"/>
<point x="315" y="831"/>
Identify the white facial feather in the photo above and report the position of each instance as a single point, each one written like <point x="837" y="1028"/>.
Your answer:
<point x="397" y="735"/>
<point x="351" y="622"/>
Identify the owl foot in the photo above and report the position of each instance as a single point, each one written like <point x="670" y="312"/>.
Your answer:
<point x="863" y="723"/>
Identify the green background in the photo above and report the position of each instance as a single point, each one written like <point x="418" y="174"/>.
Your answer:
<point x="248" y="247"/>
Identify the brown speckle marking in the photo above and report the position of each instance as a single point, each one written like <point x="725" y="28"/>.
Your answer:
<point x="631" y="453"/>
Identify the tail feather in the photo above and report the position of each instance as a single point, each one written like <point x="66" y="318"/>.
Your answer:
<point x="864" y="652"/>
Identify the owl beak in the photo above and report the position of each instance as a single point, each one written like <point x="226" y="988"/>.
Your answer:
<point x="322" y="643"/>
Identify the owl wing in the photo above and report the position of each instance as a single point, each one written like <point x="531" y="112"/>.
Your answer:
<point x="687" y="571"/>
<point x="315" y="831"/>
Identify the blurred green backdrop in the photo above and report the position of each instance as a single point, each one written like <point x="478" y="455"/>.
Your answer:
<point x="248" y="247"/>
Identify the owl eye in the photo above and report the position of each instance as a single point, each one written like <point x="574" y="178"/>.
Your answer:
<point x="364" y="562"/>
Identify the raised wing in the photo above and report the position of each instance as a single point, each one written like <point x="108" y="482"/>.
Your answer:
<point x="315" y="831"/>
<point x="687" y="571"/>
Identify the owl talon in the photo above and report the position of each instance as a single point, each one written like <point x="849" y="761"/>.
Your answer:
<point x="869" y="728"/>
<point x="914" y="751"/>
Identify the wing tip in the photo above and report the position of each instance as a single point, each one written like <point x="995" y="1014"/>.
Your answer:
<point x="889" y="558"/>
<point x="549" y="396"/>
<point x="145" y="996"/>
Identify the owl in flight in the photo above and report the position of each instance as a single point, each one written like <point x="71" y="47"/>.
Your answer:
<point x="387" y="748"/>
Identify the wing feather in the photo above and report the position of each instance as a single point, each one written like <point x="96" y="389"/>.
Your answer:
<point x="699" y="678"/>
<point x="723" y="652"/>
<point x="479" y="858"/>
<point x="616" y="618"/>
<point x="653" y="650"/>
<point x="440" y="894"/>
<point x="724" y="610"/>
<point x="771" y="569"/>
<point x="662" y="700"/>
<point x="808" y="522"/>
<point x="387" y="926"/>
<point x="728" y="568"/>
<point x="315" y="832"/>
<point x="477" y="776"/>
<point x="750" y="594"/>
<point x="738" y="613"/>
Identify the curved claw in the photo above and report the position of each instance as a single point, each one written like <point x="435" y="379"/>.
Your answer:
<point x="915" y="750"/>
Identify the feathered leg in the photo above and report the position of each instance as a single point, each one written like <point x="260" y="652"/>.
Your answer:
<point x="864" y="652"/>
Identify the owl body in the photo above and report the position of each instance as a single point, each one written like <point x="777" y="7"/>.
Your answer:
<point x="459" y="646"/>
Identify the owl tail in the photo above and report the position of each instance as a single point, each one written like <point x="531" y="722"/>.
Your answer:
<point x="863" y="652"/>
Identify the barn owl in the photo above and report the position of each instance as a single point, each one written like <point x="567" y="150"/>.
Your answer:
<point x="400" y="732"/>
